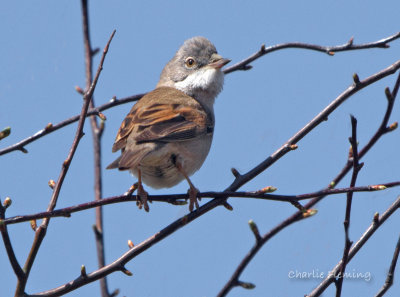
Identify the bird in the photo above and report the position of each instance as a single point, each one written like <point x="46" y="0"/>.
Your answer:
<point x="167" y="135"/>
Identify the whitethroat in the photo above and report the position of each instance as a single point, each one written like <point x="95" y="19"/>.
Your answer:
<point x="167" y="135"/>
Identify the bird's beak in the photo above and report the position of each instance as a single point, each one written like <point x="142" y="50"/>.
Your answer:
<point x="218" y="62"/>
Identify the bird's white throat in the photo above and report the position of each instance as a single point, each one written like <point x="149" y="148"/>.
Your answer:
<point x="204" y="85"/>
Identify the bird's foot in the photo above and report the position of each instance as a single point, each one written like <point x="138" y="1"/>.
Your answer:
<point x="193" y="198"/>
<point x="141" y="198"/>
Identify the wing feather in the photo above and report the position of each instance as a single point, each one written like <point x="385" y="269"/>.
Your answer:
<point x="180" y="118"/>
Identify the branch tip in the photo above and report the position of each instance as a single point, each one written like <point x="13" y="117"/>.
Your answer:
<point x="356" y="79"/>
<point x="126" y="271"/>
<point x="52" y="184"/>
<point x="268" y="189"/>
<point x="227" y="206"/>
<point x="392" y="126"/>
<point x="254" y="229"/>
<point x="115" y="293"/>
<point x="378" y="187"/>
<point x="22" y="149"/>
<point x="5" y="132"/>
<point x="79" y="90"/>
<point x="246" y="285"/>
<point x="101" y="116"/>
<point x="130" y="244"/>
<point x="376" y="218"/>
<point x="353" y="119"/>
<point x="350" y="42"/>
<point x="235" y="172"/>
<point x="310" y="213"/>
<point x="95" y="51"/>
<point x="83" y="271"/>
<point x="33" y="224"/>
<point x="389" y="95"/>
<point x="7" y="202"/>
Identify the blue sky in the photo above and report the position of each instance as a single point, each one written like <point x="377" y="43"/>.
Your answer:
<point x="258" y="110"/>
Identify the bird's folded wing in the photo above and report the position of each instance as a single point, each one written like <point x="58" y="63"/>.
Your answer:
<point x="179" y="119"/>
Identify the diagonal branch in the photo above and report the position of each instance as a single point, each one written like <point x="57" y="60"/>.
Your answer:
<point x="20" y="146"/>
<point x="389" y="279"/>
<point x="353" y="155"/>
<point x="382" y="130"/>
<point x="41" y="231"/>
<point x="377" y="222"/>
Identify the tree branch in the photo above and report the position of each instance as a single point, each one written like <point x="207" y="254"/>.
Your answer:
<point x="389" y="279"/>
<point x="330" y="50"/>
<point x="377" y="222"/>
<point x="382" y="130"/>
<point x="353" y="155"/>
<point x="7" y="243"/>
<point x="41" y="231"/>
<point x="97" y="132"/>
<point x="240" y="180"/>
<point x="242" y="65"/>
<point x="179" y="199"/>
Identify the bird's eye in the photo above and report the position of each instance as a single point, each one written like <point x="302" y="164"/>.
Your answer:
<point x="190" y="62"/>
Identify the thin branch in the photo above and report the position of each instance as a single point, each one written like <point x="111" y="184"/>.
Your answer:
<point x="41" y="231"/>
<point x="389" y="279"/>
<point x="9" y="248"/>
<point x="242" y="65"/>
<point x="240" y="180"/>
<point x="97" y="132"/>
<point x="353" y="155"/>
<point x="382" y="130"/>
<point x="179" y="199"/>
<point x="20" y="146"/>
<point x="322" y="116"/>
<point x="377" y="222"/>
<point x="330" y="50"/>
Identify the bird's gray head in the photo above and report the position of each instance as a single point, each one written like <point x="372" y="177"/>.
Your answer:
<point x="195" y="69"/>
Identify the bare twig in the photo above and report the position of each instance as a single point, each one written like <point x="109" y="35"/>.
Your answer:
<point x="389" y="279"/>
<point x="20" y="146"/>
<point x="97" y="132"/>
<point x="7" y="244"/>
<point x="353" y="155"/>
<point x="330" y="50"/>
<point x="377" y="222"/>
<point x="41" y="230"/>
<point x="240" y="180"/>
<point x="242" y="65"/>
<point x="179" y="199"/>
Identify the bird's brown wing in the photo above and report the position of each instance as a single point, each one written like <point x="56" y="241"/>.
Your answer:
<point x="178" y="118"/>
